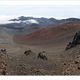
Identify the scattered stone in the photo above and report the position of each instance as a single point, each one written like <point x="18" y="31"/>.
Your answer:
<point x="41" y="56"/>
<point x="3" y="72"/>
<point x="78" y="68"/>
<point x="76" y="62"/>
<point x="27" y="52"/>
<point x="64" y="63"/>
<point x="3" y="51"/>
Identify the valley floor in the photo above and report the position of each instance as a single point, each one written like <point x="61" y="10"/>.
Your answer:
<point x="60" y="62"/>
<point x="20" y="64"/>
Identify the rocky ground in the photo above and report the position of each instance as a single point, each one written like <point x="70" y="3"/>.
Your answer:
<point x="60" y="62"/>
<point x="24" y="59"/>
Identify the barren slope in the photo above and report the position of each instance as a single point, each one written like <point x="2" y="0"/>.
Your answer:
<point x="50" y="34"/>
<point x="51" y="40"/>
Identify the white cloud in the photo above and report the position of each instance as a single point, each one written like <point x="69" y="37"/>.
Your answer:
<point x="33" y="21"/>
<point x="4" y="19"/>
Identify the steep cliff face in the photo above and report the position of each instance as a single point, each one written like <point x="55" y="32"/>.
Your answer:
<point x="75" y="41"/>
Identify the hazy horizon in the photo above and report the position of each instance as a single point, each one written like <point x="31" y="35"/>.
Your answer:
<point x="55" y="11"/>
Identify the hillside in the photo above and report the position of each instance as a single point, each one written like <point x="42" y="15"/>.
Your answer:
<point x="63" y="32"/>
<point x="71" y="61"/>
<point x="44" y="47"/>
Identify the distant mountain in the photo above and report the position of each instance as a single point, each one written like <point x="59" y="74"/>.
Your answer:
<point x="27" y="25"/>
<point x="43" y="22"/>
<point x="36" y="29"/>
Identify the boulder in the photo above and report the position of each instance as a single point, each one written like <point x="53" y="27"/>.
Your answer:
<point x="74" y="42"/>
